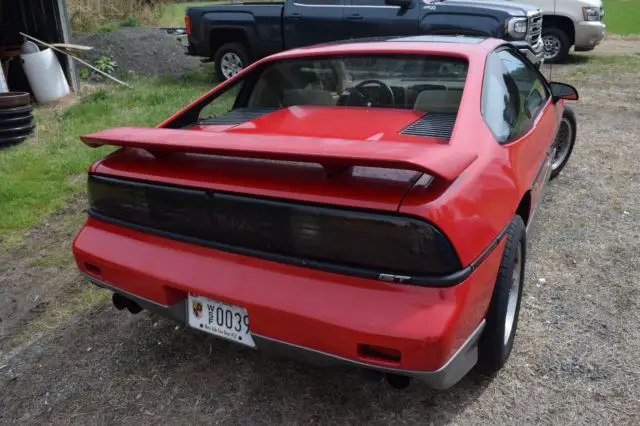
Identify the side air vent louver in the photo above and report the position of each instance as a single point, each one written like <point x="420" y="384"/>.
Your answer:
<point x="237" y="116"/>
<point x="432" y="125"/>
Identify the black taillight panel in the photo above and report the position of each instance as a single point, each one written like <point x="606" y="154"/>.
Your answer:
<point x="305" y="233"/>
<point x="178" y="210"/>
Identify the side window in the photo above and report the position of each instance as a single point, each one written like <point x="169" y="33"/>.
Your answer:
<point x="498" y="101"/>
<point x="513" y="95"/>
<point x="221" y="104"/>
<point x="532" y="88"/>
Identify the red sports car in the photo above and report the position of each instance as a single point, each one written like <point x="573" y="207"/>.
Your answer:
<point x="363" y="202"/>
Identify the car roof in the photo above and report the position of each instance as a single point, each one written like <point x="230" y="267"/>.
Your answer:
<point x="419" y="38"/>
<point x="461" y="46"/>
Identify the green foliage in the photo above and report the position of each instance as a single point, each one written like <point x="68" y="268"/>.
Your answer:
<point x="38" y="176"/>
<point x="130" y="21"/>
<point x="83" y="73"/>
<point x="107" y="27"/>
<point x="106" y="64"/>
<point x="97" y="96"/>
<point x="622" y="16"/>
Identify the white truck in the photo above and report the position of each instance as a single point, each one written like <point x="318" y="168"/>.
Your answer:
<point x="568" y="23"/>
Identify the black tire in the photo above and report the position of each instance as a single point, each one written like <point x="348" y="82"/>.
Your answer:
<point x="562" y="38"/>
<point x="235" y="48"/>
<point x="12" y="112"/>
<point x="14" y="140"/>
<point x="6" y="122"/>
<point x="493" y="350"/>
<point x="18" y="130"/>
<point x="568" y="119"/>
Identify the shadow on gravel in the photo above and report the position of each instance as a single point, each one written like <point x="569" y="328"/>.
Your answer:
<point x="575" y="59"/>
<point x="116" y="367"/>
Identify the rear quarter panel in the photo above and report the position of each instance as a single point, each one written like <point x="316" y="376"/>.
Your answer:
<point x="262" y="25"/>
<point x="483" y="200"/>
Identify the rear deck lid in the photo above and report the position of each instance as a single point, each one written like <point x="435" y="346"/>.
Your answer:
<point x="297" y="153"/>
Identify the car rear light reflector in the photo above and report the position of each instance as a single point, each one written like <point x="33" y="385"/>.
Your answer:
<point x="379" y="353"/>
<point x="187" y="22"/>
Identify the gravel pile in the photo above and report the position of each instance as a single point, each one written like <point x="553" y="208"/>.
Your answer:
<point x="145" y="51"/>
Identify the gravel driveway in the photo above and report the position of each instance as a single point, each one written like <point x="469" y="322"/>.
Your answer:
<point x="575" y="359"/>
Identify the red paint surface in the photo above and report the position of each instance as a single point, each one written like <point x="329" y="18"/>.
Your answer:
<point x="477" y="188"/>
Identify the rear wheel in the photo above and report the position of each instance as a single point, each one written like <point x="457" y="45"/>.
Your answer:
<point x="230" y="59"/>
<point x="565" y="140"/>
<point x="499" y="333"/>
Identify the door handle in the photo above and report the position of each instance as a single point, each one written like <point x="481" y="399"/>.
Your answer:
<point x="354" y="17"/>
<point x="295" y="16"/>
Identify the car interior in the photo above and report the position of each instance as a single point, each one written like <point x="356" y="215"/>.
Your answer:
<point x="422" y="83"/>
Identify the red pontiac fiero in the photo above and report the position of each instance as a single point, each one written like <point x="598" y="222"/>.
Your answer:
<point x="363" y="202"/>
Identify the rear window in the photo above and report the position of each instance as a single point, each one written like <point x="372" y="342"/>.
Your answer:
<point x="426" y="83"/>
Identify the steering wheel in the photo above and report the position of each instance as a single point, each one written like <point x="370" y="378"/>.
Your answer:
<point x="369" y="100"/>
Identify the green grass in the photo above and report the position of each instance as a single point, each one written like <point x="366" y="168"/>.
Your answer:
<point x="622" y="16"/>
<point x="599" y="66"/>
<point x="172" y="14"/>
<point x="42" y="174"/>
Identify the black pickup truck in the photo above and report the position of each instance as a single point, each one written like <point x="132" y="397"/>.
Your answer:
<point x="233" y="35"/>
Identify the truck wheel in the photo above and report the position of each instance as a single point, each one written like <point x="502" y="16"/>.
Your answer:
<point x="230" y="59"/>
<point x="565" y="139"/>
<point x="499" y="333"/>
<point x="556" y="45"/>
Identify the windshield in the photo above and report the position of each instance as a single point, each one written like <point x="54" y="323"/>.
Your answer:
<point x="426" y="83"/>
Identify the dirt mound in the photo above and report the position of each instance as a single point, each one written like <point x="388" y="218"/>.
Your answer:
<point x="145" y="51"/>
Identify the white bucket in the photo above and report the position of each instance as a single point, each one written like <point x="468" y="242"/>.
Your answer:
<point x="45" y="75"/>
<point x="3" y="83"/>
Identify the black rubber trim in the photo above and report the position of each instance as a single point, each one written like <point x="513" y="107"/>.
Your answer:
<point x="13" y="121"/>
<point x="14" y="140"/>
<point x="437" y="125"/>
<point x="237" y="116"/>
<point x="424" y="281"/>
<point x="18" y="130"/>
<point x="15" y="111"/>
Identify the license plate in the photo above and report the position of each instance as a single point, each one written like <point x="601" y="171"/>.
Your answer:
<point x="220" y="319"/>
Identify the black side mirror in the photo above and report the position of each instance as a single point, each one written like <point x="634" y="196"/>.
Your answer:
<point x="404" y="4"/>
<point x="563" y="91"/>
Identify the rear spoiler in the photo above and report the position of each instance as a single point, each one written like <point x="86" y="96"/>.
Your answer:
<point x="437" y="160"/>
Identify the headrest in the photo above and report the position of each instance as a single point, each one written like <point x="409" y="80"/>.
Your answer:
<point x="438" y="101"/>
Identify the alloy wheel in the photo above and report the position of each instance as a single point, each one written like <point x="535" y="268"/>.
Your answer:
<point x="552" y="46"/>
<point x="231" y="64"/>
<point x="514" y="293"/>
<point x="563" y="143"/>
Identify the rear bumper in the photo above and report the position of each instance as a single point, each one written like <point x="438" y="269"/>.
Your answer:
<point x="314" y="315"/>
<point x="446" y="376"/>
<point x="589" y="35"/>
